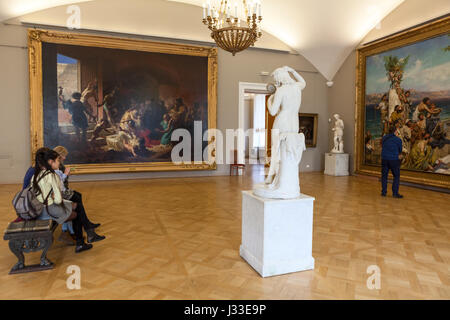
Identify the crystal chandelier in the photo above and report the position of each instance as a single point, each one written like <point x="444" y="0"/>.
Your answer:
<point x="225" y="25"/>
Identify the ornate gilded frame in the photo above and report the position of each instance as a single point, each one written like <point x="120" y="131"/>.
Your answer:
<point x="35" y="39"/>
<point x="417" y="34"/>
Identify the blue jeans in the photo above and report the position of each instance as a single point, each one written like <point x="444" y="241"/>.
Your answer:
<point x="67" y="226"/>
<point x="394" y="166"/>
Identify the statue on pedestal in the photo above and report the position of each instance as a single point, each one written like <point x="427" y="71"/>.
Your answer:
<point x="288" y="144"/>
<point x="338" y="135"/>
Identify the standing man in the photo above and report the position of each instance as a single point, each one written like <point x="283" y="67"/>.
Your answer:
<point x="78" y="111"/>
<point x="390" y="160"/>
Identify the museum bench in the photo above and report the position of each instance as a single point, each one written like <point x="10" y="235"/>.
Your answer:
<point x="30" y="236"/>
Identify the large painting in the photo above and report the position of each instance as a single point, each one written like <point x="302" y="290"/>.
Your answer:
<point x="115" y="103"/>
<point x="404" y="82"/>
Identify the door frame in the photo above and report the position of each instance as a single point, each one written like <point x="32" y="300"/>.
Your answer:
<point x="248" y="87"/>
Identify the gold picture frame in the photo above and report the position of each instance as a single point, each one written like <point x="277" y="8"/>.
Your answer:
<point x="35" y="39"/>
<point x="411" y="36"/>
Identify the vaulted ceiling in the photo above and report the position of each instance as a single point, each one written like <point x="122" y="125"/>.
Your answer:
<point x="323" y="31"/>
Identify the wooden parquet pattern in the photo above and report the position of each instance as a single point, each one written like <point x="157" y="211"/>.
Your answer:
<point x="179" y="239"/>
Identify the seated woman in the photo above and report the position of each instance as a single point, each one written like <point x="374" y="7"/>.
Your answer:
<point x="75" y="196"/>
<point x="168" y="126"/>
<point x="47" y="185"/>
<point x="67" y="235"/>
<point x="423" y="155"/>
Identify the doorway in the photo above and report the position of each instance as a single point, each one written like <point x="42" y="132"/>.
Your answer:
<point x="252" y="107"/>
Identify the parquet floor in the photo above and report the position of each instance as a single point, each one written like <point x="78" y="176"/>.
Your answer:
<point x="179" y="239"/>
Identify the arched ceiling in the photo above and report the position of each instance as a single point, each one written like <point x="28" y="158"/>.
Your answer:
<point x="15" y="8"/>
<point x="323" y="31"/>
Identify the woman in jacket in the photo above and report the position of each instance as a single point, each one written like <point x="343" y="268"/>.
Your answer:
<point x="47" y="186"/>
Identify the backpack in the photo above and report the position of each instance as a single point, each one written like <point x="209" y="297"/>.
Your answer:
<point x="27" y="205"/>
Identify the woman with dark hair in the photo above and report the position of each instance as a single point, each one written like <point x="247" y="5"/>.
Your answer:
<point x="47" y="185"/>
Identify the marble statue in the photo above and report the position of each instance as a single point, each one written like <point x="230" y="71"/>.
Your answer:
<point x="338" y="135"/>
<point x="288" y="144"/>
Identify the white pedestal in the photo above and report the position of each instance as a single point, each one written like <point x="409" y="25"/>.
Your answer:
<point x="336" y="164"/>
<point x="277" y="234"/>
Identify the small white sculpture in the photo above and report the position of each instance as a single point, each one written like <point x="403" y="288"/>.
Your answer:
<point x="288" y="145"/>
<point x="338" y="135"/>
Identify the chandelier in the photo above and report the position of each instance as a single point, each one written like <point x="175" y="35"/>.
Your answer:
<point x="225" y="25"/>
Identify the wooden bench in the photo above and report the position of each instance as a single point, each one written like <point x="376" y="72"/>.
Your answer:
<point x="30" y="236"/>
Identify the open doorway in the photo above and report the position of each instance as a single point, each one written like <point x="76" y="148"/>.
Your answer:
<point x="254" y="120"/>
<point x="252" y="106"/>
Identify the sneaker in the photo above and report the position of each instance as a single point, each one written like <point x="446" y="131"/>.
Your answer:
<point x="66" y="238"/>
<point x="383" y="194"/>
<point x="398" y="196"/>
<point x="83" y="247"/>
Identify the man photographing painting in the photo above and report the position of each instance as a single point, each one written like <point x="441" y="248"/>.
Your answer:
<point x="391" y="160"/>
